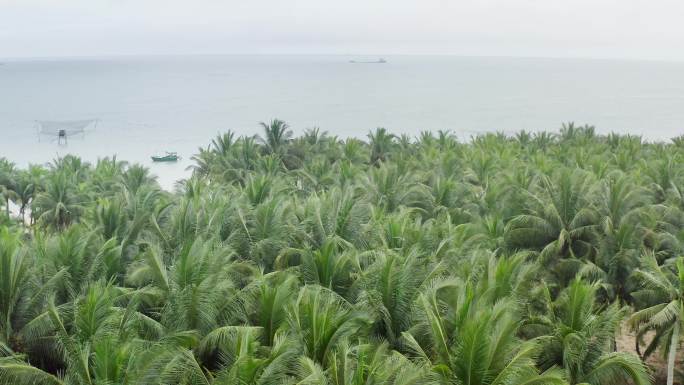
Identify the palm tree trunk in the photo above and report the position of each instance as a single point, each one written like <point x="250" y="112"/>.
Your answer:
<point x="673" y="353"/>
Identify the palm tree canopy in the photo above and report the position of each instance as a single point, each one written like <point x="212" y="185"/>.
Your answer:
<point x="504" y="259"/>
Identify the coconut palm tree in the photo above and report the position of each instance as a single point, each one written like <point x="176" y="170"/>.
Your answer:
<point x="368" y="363"/>
<point x="315" y="260"/>
<point x="7" y="183"/>
<point x="13" y="370"/>
<point x="338" y="213"/>
<point x="276" y="135"/>
<point x="261" y="233"/>
<point x="135" y="177"/>
<point x="388" y="288"/>
<point x="223" y="143"/>
<point x="16" y="289"/>
<point x="264" y="303"/>
<point x="195" y="290"/>
<point x="332" y="266"/>
<point x="468" y="343"/>
<point x="381" y="143"/>
<point x="29" y="183"/>
<point x="561" y="222"/>
<point x="61" y="203"/>
<point x="578" y="335"/>
<point x="243" y="360"/>
<point x="660" y="298"/>
<point x="320" y="319"/>
<point x="388" y="187"/>
<point x="620" y="203"/>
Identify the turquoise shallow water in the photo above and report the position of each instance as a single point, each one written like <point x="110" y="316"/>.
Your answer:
<point x="151" y="104"/>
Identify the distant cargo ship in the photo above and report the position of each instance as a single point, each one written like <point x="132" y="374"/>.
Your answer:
<point x="379" y="61"/>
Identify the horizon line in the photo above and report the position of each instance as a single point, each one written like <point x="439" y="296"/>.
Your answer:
<point x="276" y="54"/>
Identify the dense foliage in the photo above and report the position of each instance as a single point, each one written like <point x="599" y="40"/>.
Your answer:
<point x="316" y="260"/>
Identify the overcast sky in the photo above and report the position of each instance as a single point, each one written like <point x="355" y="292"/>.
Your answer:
<point x="638" y="29"/>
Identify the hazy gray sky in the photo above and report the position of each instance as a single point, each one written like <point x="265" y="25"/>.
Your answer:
<point x="642" y="29"/>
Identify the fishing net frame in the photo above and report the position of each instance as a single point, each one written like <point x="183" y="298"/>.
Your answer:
<point x="64" y="128"/>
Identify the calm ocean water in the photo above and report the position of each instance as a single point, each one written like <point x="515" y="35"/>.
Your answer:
<point x="150" y="104"/>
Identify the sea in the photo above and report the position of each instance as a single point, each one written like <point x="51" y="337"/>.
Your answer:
<point x="146" y="105"/>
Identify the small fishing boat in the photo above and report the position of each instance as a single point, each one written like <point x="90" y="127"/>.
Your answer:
<point x="169" y="157"/>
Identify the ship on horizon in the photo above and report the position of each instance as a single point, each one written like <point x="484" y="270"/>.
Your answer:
<point x="379" y="61"/>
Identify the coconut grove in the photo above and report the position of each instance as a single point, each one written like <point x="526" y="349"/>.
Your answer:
<point x="534" y="258"/>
